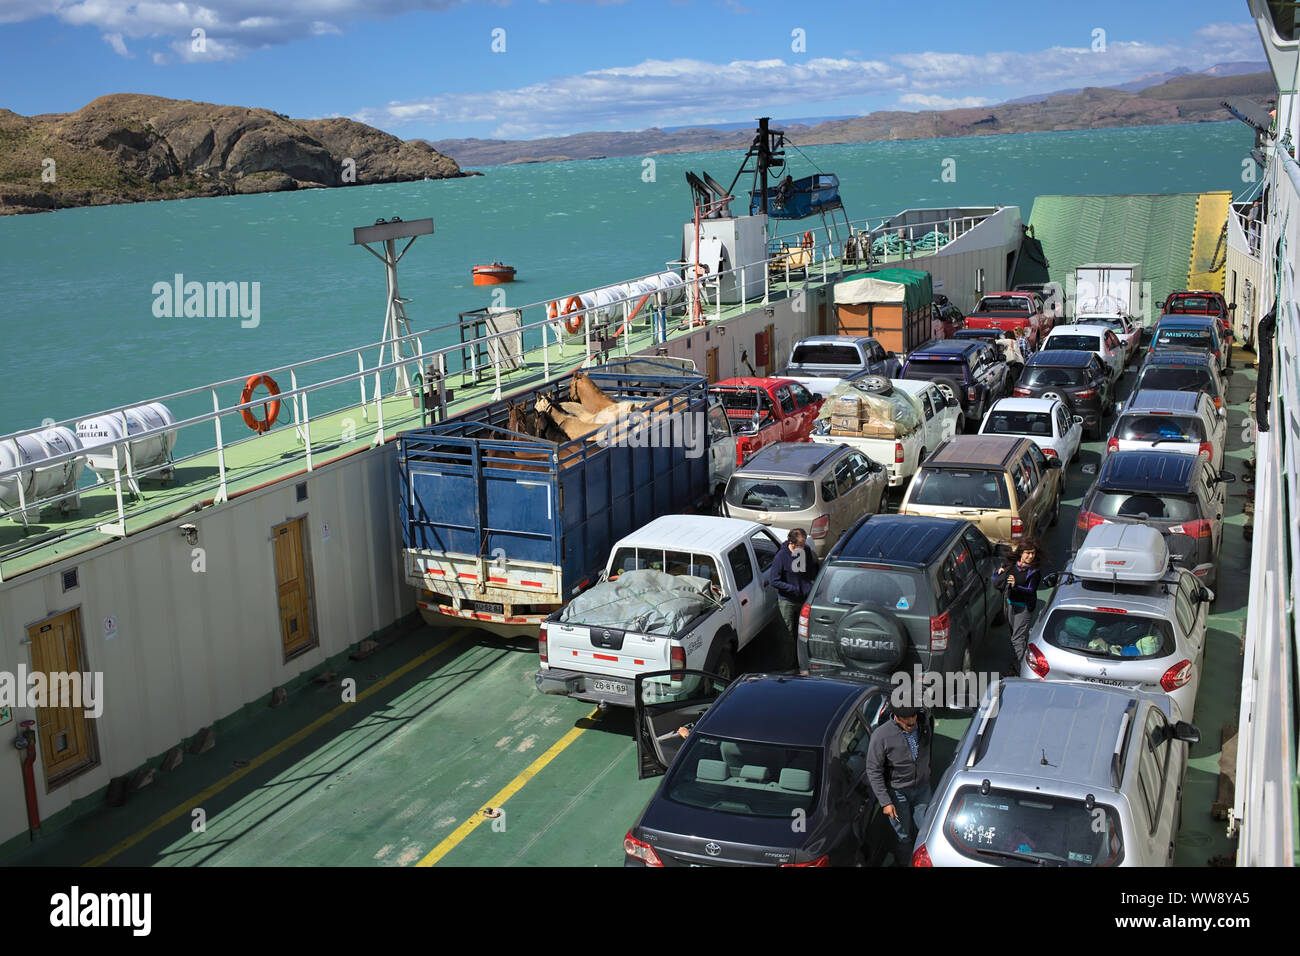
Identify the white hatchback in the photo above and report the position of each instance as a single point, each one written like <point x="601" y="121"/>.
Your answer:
<point x="1046" y="421"/>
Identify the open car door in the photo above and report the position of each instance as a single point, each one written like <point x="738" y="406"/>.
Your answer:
<point x="666" y="702"/>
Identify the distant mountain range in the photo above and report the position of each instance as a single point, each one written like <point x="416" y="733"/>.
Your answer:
<point x="1155" y="79"/>
<point x="1178" y="97"/>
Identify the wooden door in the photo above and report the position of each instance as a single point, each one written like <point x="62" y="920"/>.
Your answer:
<point x="711" y="365"/>
<point x="293" y="587"/>
<point x="67" y="738"/>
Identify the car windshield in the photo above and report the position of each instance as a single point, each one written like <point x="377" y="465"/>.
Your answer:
<point x="1050" y="375"/>
<point x="928" y="368"/>
<point x="1146" y="427"/>
<point x="1194" y="303"/>
<point x="1010" y="827"/>
<point x="1002" y="422"/>
<point x="1004" y="303"/>
<point x="1102" y="634"/>
<point x="825" y="355"/>
<point x="1172" y="378"/>
<point x="1184" y="338"/>
<point x="745" y="778"/>
<point x="849" y="583"/>
<point x="770" y="494"/>
<point x="1083" y="343"/>
<point x="958" y="489"/>
<point x="1163" y="507"/>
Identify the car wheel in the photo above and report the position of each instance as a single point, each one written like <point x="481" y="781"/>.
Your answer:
<point x="725" y="665"/>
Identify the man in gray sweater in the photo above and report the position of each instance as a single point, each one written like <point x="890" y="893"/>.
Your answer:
<point x="898" y="771"/>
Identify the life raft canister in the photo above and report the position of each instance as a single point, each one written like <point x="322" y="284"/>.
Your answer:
<point x="272" y="407"/>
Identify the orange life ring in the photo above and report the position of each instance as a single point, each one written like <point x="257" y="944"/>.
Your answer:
<point x="260" y="425"/>
<point x="571" y="305"/>
<point x="807" y="240"/>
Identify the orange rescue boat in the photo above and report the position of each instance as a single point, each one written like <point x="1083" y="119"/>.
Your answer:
<point x="494" y="274"/>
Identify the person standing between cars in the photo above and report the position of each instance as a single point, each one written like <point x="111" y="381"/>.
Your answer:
<point x="1019" y="582"/>
<point x="898" y="772"/>
<point x="792" y="575"/>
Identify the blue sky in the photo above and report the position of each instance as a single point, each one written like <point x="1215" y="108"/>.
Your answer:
<point x="427" y="68"/>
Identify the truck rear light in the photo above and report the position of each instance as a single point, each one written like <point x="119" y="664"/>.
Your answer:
<point x="677" y="658"/>
<point x="1036" y="661"/>
<point x="1206" y="449"/>
<point x="898" y="453"/>
<point x="820" y="861"/>
<point x="1022" y="390"/>
<point x="1176" y="676"/>
<point x="1112" y="444"/>
<point x="541" y="643"/>
<point x="1017" y="527"/>
<point x="1087" y="521"/>
<point x="641" y="851"/>
<point x="921" y="857"/>
<point x="819" y="527"/>
<point x="1086" y="393"/>
<point x="939" y="629"/>
<point x="805" y="616"/>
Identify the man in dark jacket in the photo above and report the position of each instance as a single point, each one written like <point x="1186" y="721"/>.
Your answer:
<point x="792" y="575"/>
<point x="898" y="771"/>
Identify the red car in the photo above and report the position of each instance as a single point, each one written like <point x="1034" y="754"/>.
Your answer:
<point x="1199" y="302"/>
<point x="1010" y="311"/>
<point x="766" y="410"/>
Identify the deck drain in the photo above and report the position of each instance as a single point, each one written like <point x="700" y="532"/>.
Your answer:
<point x="491" y="812"/>
<point x="241" y="763"/>
<point x="372" y="677"/>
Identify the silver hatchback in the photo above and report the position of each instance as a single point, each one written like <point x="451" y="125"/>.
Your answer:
<point x="1120" y="614"/>
<point x="821" y="489"/>
<point x="1061" y="774"/>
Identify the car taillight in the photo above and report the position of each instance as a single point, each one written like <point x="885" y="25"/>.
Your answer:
<point x="1021" y="390"/>
<point x="1088" y="520"/>
<point x="1200" y="528"/>
<point x="1176" y="676"/>
<point x="641" y="851"/>
<point x="1036" y="661"/>
<point x="939" y="628"/>
<point x="898" y="453"/>
<point x="1017" y="527"/>
<point x="1216" y="354"/>
<point x="1206" y="449"/>
<point x="1051" y="453"/>
<point x="921" y="856"/>
<point x="805" y="616"/>
<point x="1086" y="393"/>
<point x="819" y="527"/>
<point x="1218" y="402"/>
<point x="820" y="861"/>
<point x="541" y="643"/>
<point x="970" y="392"/>
<point x="1112" y="444"/>
<point x="742" y="445"/>
<point x="1111" y="610"/>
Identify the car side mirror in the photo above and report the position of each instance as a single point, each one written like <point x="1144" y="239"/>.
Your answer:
<point x="1227" y="477"/>
<point x="953" y="403"/>
<point x="1228" y="371"/>
<point x="1078" y="419"/>
<point x="1052" y="579"/>
<point x="1053" y="463"/>
<point x="1184" y="731"/>
<point x="1233" y="307"/>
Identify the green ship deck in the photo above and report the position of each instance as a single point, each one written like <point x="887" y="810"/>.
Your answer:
<point x="447" y="723"/>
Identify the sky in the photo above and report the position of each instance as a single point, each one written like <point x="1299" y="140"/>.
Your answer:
<point x="523" y="69"/>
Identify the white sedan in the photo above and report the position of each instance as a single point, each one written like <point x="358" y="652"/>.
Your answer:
<point x="1046" y="421"/>
<point x="1098" y="339"/>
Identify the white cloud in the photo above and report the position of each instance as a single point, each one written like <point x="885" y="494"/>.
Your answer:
<point x="930" y="101"/>
<point x="118" y="44"/>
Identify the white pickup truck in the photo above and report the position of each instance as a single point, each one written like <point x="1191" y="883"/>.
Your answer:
<point x="903" y="455"/>
<point x="683" y="592"/>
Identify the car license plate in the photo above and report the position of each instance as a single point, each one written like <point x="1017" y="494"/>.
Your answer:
<point x="487" y="607"/>
<point x="610" y="687"/>
<point x="1108" y="681"/>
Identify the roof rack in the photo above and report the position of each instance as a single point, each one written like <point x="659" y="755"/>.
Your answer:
<point x="990" y="709"/>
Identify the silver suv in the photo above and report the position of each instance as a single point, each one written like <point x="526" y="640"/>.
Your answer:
<point x="822" y="489"/>
<point x="1061" y="774"/>
<point x="1119" y="614"/>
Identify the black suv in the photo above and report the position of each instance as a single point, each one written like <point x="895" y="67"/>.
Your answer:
<point x="1179" y="495"/>
<point x="1076" y="378"/>
<point x="901" y="590"/>
<point x="768" y="749"/>
<point x="972" y="372"/>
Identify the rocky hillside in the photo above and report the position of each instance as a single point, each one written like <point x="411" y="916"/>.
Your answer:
<point x="1189" y="99"/>
<point x="128" y="148"/>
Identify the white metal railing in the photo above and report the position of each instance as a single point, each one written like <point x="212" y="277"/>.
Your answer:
<point x="1265" y="797"/>
<point x="895" y="226"/>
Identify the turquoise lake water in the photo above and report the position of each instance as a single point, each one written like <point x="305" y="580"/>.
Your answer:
<point x="80" y="328"/>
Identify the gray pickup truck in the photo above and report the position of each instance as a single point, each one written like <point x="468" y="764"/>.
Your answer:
<point x="823" y="361"/>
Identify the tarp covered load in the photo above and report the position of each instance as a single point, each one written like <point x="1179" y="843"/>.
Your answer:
<point x="911" y="287"/>
<point x="644" y="600"/>
<point x="852" y="410"/>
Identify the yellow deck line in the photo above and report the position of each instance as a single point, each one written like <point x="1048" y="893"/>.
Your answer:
<point x="296" y="738"/>
<point x="454" y="838"/>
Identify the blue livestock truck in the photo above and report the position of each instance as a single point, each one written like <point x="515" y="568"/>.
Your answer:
<point x="500" y="528"/>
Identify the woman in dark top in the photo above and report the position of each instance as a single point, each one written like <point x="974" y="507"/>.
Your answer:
<point x="1019" y="582"/>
